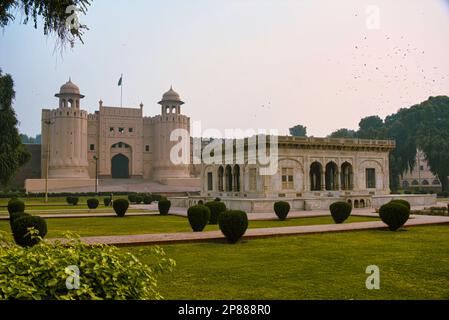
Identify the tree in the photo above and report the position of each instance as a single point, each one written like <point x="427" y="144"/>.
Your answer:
<point x="13" y="154"/>
<point x="57" y="16"/>
<point x="298" y="131"/>
<point x="343" y="133"/>
<point x="432" y="136"/>
<point x="371" y="128"/>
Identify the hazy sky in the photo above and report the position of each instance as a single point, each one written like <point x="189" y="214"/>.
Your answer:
<point x="242" y="63"/>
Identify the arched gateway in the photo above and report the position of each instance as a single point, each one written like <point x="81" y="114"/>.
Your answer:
<point x="120" y="167"/>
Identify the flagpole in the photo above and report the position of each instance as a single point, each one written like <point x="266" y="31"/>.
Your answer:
<point x="121" y="91"/>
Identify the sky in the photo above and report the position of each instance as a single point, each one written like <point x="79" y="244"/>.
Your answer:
<point x="247" y="64"/>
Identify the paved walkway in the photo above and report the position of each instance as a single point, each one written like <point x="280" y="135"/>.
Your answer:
<point x="181" y="237"/>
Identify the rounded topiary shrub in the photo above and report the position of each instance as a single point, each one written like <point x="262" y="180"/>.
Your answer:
<point x="17" y="215"/>
<point x="198" y="217"/>
<point x="120" y="206"/>
<point x="340" y="211"/>
<point x="16" y="205"/>
<point x="394" y="214"/>
<point x="107" y="201"/>
<point x="403" y="202"/>
<point x="93" y="203"/>
<point x="72" y="200"/>
<point x="147" y="199"/>
<point x="216" y="208"/>
<point x="164" y="206"/>
<point x="282" y="208"/>
<point x="22" y="235"/>
<point x="233" y="224"/>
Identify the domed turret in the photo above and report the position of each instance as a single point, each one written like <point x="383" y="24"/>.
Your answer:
<point x="171" y="96"/>
<point x="69" y="95"/>
<point x="171" y="102"/>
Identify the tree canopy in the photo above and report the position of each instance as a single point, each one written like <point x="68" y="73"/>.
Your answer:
<point x="343" y="133"/>
<point x="13" y="154"/>
<point x="57" y="16"/>
<point x="424" y="126"/>
<point x="299" y="131"/>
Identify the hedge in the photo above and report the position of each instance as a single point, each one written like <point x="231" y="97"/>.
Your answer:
<point x="340" y="211"/>
<point x="216" y="208"/>
<point x="21" y="230"/>
<point x="281" y="208"/>
<point x="395" y="215"/>
<point x="233" y="224"/>
<point x="198" y="216"/>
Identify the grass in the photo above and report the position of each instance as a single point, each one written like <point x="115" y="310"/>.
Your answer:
<point x="156" y="224"/>
<point x="70" y="210"/>
<point x="414" y="264"/>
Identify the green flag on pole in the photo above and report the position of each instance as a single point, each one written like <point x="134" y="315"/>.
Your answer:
<point x="120" y="81"/>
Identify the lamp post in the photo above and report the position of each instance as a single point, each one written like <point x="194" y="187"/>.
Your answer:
<point x="96" y="174"/>
<point x="48" y="123"/>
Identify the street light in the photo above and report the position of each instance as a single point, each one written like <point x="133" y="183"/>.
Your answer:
<point x="96" y="174"/>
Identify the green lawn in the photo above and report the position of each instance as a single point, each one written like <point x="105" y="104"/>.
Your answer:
<point x="414" y="264"/>
<point x="155" y="224"/>
<point x="69" y="210"/>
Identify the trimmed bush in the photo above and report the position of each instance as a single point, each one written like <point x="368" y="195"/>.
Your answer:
<point x="156" y="197"/>
<point x="215" y="207"/>
<point x="147" y="199"/>
<point x="107" y="272"/>
<point x="120" y="207"/>
<point x="201" y="203"/>
<point x="282" y="208"/>
<point x="16" y="205"/>
<point x="93" y="203"/>
<point x="233" y="224"/>
<point x="72" y="200"/>
<point x="107" y="201"/>
<point x="394" y="214"/>
<point x="340" y="211"/>
<point x="164" y="206"/>
<point x="198" y="217"/>
<point x="403" y="202"/>
<point x="132" y="198"/>
<point x="138" y="199"/>
<point x="16" y="215"/>
<point x="22" y="235"/>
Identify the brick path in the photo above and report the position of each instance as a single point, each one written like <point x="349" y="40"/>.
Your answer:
<point x="180" y="237"/>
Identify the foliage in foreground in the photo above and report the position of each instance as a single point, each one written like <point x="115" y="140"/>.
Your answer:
<point x="47" y="271"/>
